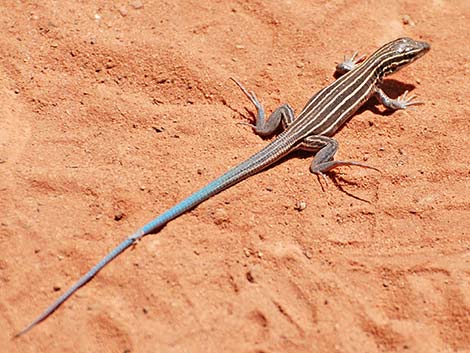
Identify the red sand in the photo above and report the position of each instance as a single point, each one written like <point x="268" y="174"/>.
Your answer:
<point x="110" y="110"/>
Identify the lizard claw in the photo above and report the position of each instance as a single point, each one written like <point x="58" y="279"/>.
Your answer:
<point x="349" y="63"/>
<point x="404" y="101"/>
<point x="247" y="124"/>
<point x="322" y="175"/>
<point x="251" y="95"/>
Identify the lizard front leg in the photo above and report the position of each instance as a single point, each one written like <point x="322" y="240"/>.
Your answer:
<point x="349" y="63"/>
<point x="402" y="102"/>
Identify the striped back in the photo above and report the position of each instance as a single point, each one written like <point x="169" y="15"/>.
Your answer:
<point x="329" y="109"/>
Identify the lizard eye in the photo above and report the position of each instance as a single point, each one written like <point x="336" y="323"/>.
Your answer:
<point x="402" y="47"/>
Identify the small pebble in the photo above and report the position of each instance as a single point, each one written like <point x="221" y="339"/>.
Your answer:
<point x="123" y="11"/>
<point x="249" y="277"/>
<point x="300" y="206"/>
<point x="137" y="5"/>
<point x="406" y="20"/>
<point x="110" y="64"/>
<point x="220" y="216"/>
<point x="118" y="216"/>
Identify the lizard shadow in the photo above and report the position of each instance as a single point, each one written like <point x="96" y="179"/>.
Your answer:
<point x="336" y="177"/>
<point x="391" y="87"/>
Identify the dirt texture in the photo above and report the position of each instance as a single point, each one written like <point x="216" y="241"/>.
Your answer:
<point x="113" y="111"/>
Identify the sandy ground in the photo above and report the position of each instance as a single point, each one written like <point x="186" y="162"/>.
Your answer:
<point x="110" y="112"/>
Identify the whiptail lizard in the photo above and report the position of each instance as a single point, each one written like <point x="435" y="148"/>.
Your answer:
<point x="323" y="114"/>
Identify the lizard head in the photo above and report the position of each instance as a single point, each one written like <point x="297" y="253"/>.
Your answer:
<point x="398" y="53"/>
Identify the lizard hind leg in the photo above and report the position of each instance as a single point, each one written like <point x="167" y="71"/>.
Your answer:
<point x="281" y="117"/>
<point x="326" y="148"/>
